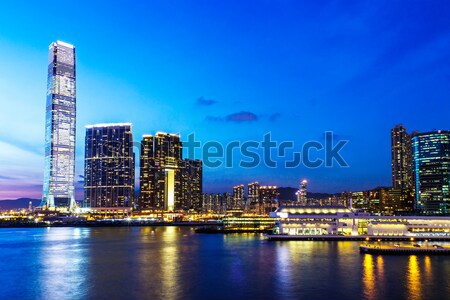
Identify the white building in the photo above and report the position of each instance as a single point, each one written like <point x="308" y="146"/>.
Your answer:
<point x="339" y="220"/>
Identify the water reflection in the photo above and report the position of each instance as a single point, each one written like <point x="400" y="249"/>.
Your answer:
<point x="414" y="284"/>
<point x="283" y="269"/>
<point x="380" y="270"/>
<point x="169" y="263"/>
<point x="63" y="261"/>
<point x="368" y="277"/>
<point x="174" y="263"/>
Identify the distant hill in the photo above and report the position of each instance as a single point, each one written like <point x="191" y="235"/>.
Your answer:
<point x="18" y="203"/>
<point x="288" y="193"/>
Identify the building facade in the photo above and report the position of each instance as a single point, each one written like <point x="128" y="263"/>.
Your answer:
<point x="160" y="172"/>
<point x="109" y="166"/>
<point x="60" y="125"/>
<point x="431" y="161"/>
<point x="339" y="220"/>
<point x="252" y="196"/>
<point x="192" y="184"/>
<point x="268" y="202"/>
<point x="238" y="197"/>
<point x="401" y="158"/>
<point x="301" y="194"/>
<point x="215" y="203"/>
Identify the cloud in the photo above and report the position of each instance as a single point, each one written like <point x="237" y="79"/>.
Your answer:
<point x="273" y="117"/>
<point x="205" y="102"/>
<point x="243" y="116"/>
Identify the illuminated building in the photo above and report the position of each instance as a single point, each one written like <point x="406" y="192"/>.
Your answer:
<point x="401" y="200"/>
<point x="59" y="172"/>
<point x="252" y="196"/>
<point x="268" y="199"/>
<point x="238" y="197"/>
<point x="339" y="220"/>
<point x="192" y="184"/>
<point x="431" y="161"/>
<point x="250" y="224"/>
<point x="160" y="172"/>
<point x="401" y="158"/>
<point x="216" y="203"/>
<point x="301" y="194"/>
<point x="109" y="166"/>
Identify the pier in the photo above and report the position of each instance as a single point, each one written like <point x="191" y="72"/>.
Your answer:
<point x="335" y="237"/>
<point x="406" y="250"/>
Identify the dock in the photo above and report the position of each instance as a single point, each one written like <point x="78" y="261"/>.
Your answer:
<point x="405" y="250"/>
<point x="335" y="237"/>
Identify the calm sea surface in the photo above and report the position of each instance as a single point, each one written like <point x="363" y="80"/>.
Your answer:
<point x="176" y="263"/>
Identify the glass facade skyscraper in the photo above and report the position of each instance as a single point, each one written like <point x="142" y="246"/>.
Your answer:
<point x="109" y="166"/>
<point x="59" y="174"/>
<point x="431" y="161"/>
<point x="401" y="158"/>
<point x="192" y="184"/>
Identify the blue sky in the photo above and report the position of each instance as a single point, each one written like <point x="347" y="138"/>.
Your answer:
<point x="292" y="68"/>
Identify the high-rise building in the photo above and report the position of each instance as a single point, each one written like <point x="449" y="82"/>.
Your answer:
<point x="160" y="172"/>
<point x="215" y="203"/>
<point x="268" y="199"/>
<point x="252" y="195"/>
<point x="301" y="194"/>
<point x="109" y="166"/>
<point x="238" y="197"/>
<point x="431" y="161"/>
<point x="59" y="174"/>
<point x="192" y="184"/>
<point x="401" y="158"/>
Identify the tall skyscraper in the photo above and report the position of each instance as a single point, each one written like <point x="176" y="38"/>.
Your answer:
<point x="253" y="195"/>
<point x="301" y="194"/>
<point x="268" y="199"/>
<point x="59" y="174"/>
<point x="160" y="172"/>
<point x="192" y="184"/>
<point x="238" y="197"/>
<point x="401" y="158"/>
<point x="109" y="166"/>
<point x="431" y="161"/>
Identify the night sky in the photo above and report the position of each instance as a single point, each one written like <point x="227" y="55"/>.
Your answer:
<point x="230" y="71"/>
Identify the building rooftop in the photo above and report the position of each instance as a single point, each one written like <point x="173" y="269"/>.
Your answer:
<point x="61" y="44"/>
<point x="319" y="210"/>
<point x="108" y="125"/>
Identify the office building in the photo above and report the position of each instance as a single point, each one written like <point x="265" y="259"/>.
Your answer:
<point x="268" y="196"/>
<point x="59" y="172"/>
<point x="109" y="166"/>
<point x="238" y="197"/>
<point x="252" y="196"/>
<point x="431" y="162"/>
<point x="160" y="172"/>
<point x="401" y="158"/>
<point x="301" y="194"/>
<point x="215" y="203"/>
<point x="192" y="184"/>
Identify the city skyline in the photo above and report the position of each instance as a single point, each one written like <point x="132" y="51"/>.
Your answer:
<point x="229" y="96"/>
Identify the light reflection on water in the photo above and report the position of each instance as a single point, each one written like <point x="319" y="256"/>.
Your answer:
<point x="413" y="278"/>
<point x="369" y="277"/>
<point x="63" y="260"/>
<point x="176" y="263"/>
<point x="169" y="263"/>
